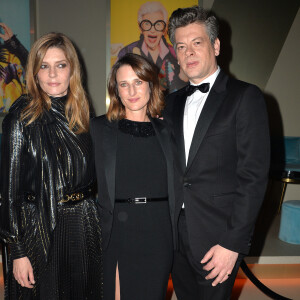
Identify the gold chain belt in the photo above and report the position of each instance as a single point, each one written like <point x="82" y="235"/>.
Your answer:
<point x="72" y="197"/>
<point x="75" y="197"/>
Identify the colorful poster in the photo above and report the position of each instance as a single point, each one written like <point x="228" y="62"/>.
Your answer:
<point x="14" y="28"/>
<point x="140" y="27"/>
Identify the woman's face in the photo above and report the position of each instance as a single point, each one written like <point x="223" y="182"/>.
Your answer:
<point x="54" y="74"/>
<point x="152" y="37"/>
<point x="133" y="92"/>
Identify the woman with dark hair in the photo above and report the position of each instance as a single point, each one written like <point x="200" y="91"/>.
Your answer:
<point x="134" y="167"/>
<point x="49" y="217"/>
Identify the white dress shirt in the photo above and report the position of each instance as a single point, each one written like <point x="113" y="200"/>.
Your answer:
<point x="192" y="110"/>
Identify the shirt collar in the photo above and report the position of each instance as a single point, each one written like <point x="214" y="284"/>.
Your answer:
<point x="210" y="79"/>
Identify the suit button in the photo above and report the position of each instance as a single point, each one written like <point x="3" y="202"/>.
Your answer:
<point x="186" y="184"/>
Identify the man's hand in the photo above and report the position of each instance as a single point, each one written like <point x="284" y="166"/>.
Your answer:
<point x="221" y="263"/>
<point x="7" y="32"/>
<point x="23" y="272"/>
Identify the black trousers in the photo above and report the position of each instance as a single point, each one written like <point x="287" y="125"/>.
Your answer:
<point x="189" y="277"/>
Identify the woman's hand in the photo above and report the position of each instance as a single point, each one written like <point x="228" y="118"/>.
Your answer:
<point x="23" y="272"/>
<point x="7" y="32"/>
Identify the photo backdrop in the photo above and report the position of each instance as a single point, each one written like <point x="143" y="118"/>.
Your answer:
<point x="127" y="36"/>
<point x="16" y="15"/>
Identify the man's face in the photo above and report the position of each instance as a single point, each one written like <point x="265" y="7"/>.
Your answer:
<point x="152" y="37"/>
<point x="195" y="53"/>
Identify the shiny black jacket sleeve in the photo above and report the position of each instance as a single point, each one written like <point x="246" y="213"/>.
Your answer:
<point x="12" y="146"/>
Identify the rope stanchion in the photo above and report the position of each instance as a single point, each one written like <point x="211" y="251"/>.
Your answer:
<point x="260" y="285"/>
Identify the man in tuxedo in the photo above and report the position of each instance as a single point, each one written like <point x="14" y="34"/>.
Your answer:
<point x="221" y="143"/>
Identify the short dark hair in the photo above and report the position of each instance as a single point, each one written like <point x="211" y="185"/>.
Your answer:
<point x="146" y="71"/>
<point x="195" y="14"/>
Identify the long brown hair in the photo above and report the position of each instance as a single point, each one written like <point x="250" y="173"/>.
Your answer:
<point x="146" y="71"/>
<point x="77" y="106"/>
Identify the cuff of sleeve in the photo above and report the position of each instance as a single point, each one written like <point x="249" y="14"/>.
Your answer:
<point x="17" y="250"/>
<point x="239" y="247"/>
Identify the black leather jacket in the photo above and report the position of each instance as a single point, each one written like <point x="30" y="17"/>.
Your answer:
<point x="40" y="163"/>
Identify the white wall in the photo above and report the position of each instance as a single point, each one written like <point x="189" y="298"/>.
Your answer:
<point x="284" y="82"/>
<point x="284" y="85"/>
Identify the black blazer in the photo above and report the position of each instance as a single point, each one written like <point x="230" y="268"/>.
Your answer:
<point x="224" y="182"/>
<point x="104" y="135"/>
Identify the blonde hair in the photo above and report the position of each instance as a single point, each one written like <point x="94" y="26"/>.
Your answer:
<point x="146" y="71"/>
<point x="77" y="106"/>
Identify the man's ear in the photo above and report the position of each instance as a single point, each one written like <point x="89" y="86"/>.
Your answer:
<point x="217" y="45"/>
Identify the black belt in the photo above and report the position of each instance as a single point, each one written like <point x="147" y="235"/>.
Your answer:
<point x="140" y="200"/>
<point x="73" y="198"/>
<point x="70" y="198"/>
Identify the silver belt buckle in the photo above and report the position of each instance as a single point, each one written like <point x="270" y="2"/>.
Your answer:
<point x="140" y="200"/>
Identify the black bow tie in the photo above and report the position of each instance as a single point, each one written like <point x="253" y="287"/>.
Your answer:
<point x="203" y="88"/>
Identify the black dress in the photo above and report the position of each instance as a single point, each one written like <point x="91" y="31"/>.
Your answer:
<point x="141" y="239"/>
<point x="42" y="163"/>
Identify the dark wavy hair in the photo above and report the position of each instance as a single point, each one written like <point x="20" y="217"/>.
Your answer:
<point x="195" y="14"/>
<point x="144" y="70"/>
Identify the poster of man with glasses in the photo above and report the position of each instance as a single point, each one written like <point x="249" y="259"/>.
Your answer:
<point x="152" y="22"/>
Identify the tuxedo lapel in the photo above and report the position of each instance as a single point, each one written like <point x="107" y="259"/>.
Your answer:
<point x="211" y="106"/>
<point x="110" y="151"/>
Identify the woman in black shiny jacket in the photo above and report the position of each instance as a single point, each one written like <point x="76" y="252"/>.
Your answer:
<point x="49" y="216"/>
